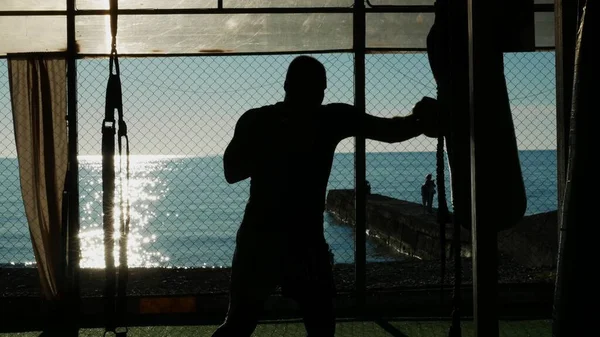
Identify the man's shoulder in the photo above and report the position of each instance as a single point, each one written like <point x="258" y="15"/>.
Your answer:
<point x="261" y="109"/>
<point x="258" y="112"/>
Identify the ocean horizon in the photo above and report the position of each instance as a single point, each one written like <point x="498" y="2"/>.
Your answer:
<point x="184" y="214"/>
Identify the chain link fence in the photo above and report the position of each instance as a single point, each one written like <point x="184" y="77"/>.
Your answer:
<point x="181" y="113"/>
<point x="15" y="242"/>
<point x="528" y="251"/>
<point x="408" y="235"/>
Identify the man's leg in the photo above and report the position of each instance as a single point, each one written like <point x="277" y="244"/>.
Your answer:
<point x="430" y="202"/>
<point x="242" y="317"/>
<point x="309" y="281"/>
<point x="319" y="315"/>
<point x="252" y="280"/>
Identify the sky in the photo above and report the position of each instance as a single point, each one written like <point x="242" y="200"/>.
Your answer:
<point x="189" y="106"/>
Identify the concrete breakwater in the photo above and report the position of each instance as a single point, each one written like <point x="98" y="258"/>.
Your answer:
<point x="402" y="225"/>
<point x="406" y="227"/>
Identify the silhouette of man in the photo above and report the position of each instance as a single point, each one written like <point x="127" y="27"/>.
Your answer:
<point x="286" y="149"/>
<point x="427" y="193"/>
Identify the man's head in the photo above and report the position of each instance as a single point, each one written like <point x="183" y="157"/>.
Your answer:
<point x="306" y="81"/>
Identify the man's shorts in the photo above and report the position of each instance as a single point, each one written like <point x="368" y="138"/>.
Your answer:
<point x="263" y="261"/>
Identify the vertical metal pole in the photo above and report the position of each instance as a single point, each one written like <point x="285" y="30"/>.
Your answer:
<point x="574" y="82"/>
<point x="483" y="51"/>
<point x="566" y="13"/>
<point x="73" y="246"/>
<point x="359" y="154"/>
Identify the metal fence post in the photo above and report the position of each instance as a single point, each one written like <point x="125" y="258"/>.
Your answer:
<point x="566" y="21"/>
<point x="73" y="247"/>
<point x="359" y="32"/>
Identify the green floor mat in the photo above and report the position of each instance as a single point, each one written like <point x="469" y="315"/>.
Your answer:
<point x="541" y="328"/>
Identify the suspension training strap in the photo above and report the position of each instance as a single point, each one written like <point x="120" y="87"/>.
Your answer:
<point x="439" y="45"/>
<point x="108" y="190"/>
<point x="115" y="288"/>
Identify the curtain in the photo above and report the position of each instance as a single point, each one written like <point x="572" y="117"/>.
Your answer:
<point x="39" y="105"/>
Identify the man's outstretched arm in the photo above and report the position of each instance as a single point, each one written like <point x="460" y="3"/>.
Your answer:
<point x="422" y="121"/>
<point x="391" y="130"/>
<point x="238" y="158"/>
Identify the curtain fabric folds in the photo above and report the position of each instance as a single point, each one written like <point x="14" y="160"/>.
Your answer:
<point x="38" y="88"/>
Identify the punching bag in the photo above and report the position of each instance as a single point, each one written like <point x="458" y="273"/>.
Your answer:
<point x="501" y="191"/>
<point x="575" y="279"/>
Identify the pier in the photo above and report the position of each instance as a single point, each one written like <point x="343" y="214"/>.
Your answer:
<point x="406" y="227"/>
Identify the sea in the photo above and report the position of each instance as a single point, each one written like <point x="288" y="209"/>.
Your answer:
<point x="185" y="215"/>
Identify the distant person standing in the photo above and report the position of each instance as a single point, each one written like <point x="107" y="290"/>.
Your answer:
<point x="427" y="192"/>
<point x="286" y="150"/>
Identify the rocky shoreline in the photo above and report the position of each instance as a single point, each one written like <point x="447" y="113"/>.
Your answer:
<point x="23" y="282"/>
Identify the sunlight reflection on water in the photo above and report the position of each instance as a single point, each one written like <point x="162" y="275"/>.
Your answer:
<point x="144" y="188"/>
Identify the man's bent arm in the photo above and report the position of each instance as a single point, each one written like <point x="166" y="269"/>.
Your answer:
<point x="238" y="156"/>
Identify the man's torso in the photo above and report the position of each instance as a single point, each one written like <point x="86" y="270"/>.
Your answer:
<point x="289" y="187"/>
